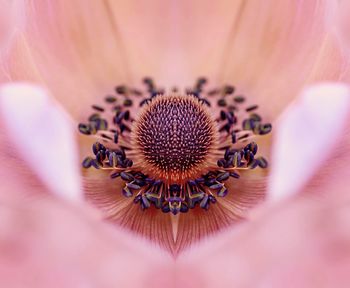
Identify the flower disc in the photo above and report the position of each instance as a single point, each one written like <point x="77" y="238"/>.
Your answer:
<point x="175" y="136"/>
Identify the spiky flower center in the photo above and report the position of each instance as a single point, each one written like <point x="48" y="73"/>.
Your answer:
<point x="175" y="152"/>
<point x="175" y="134"/>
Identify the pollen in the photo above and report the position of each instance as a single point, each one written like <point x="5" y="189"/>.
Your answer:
<point x="175" y="135"/>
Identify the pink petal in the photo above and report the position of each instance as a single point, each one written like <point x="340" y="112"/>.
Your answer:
<point x="257" y="46"/>
<point x="121" y="211"/>
<point x="338" y="21"/>
<point x="43" y="135"/>
<point x="276" y="48"/>
<point x="228" y="213"/>
<point x="11" y="20"/>
<point x="47" y="243"/>
<point x="305" y="136"/>
<point x="302" y="243"/>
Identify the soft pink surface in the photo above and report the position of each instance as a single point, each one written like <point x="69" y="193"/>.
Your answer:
<point x="45" y="241"/>
<point x="82" y="49"/>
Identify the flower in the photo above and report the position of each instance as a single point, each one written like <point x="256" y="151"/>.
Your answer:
<point x="33" y="57"/>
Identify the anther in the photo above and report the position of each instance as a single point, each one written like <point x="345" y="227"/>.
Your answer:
<point x="244" y="136"/>
<point x="223" y="176"/>
<point x="248" y="124"/>
<point x="262" y="162"/>
<point x="229" y="89"/>
<point x="110" y="99"/>
<point x="120" y="89"/>
<point x="233" y="137"/>
<point x="94" y="117"/>
<point x="126" y="192"/>
<point x="98" y="108"/>
<point x="87" y="162"/>
<point x="222" y="102"/>
<point x="84" y="129"/>
<point x="127" y="176"/>
<point x="234" y="175"/>
<point x="255" y="117"/>
<point x="115" y="137"/>
<point x="95" y="164"/>
<point x="115" y="175"/>
<point x="265" y="129"/>
<point x="127" y="102"/>
<point x="113" y="159"/>
<point x="239" y="99"/>
<point x="252" y="146"/>
<point x="251" y="108"/>
<point x="97" y="146"/>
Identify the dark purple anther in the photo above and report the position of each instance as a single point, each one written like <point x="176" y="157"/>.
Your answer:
<point x="222" y="115"/>
<point x="87" y="162"/>
<point x="200" y="180"/>
<point x="115" y="175"/>
<point x="100" y="156"/>
<point x="221" y="162"/>
<point x="126" y="192"/>
<point x="175" y="188"/>
<point x="137" y="199"/>
<point x="223" y="192"/>
<point x="95" y="164"/>
<point x="120" y="89"/>
<point x="204" y="203"/>
<point x="216" y="186"/>
<point x="223" y="176"/>
<point x="222" y="102"/>
<point x="115" y="138"/>
<point x="229" y="89"/>
<point x="133" y="186"/>
<point x="119" y="118"/>
<point x="254" y="164"/>
<point x="184" y="207"/>
<point x="230" y="117"/>
<point x="233" y="138"/>
<point x="158" y="182"/>
<point x="234" y="175"/>
<point x="165" y="208"/>
<point x="127" y="176"/>
<point x="145" y="201"/>
<point x="212" y="199"/>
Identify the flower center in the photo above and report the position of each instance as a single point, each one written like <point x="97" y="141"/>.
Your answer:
<point x="175" y="152"/>
<point x="174" y="135"/>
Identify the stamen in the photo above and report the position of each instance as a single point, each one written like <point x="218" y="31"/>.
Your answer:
<point x="110" y="99"/>
<point x="239" y="99"/>
<point x="98" y="108"/>
<point x="173" y="152"/>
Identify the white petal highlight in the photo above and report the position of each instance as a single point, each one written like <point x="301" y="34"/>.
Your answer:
<point x="43" y="135"/>
<point x="305" y="135"/>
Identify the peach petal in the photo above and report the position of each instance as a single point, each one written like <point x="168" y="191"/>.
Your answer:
<point x="305" y="136"/>
<point x="43" y="135"/>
